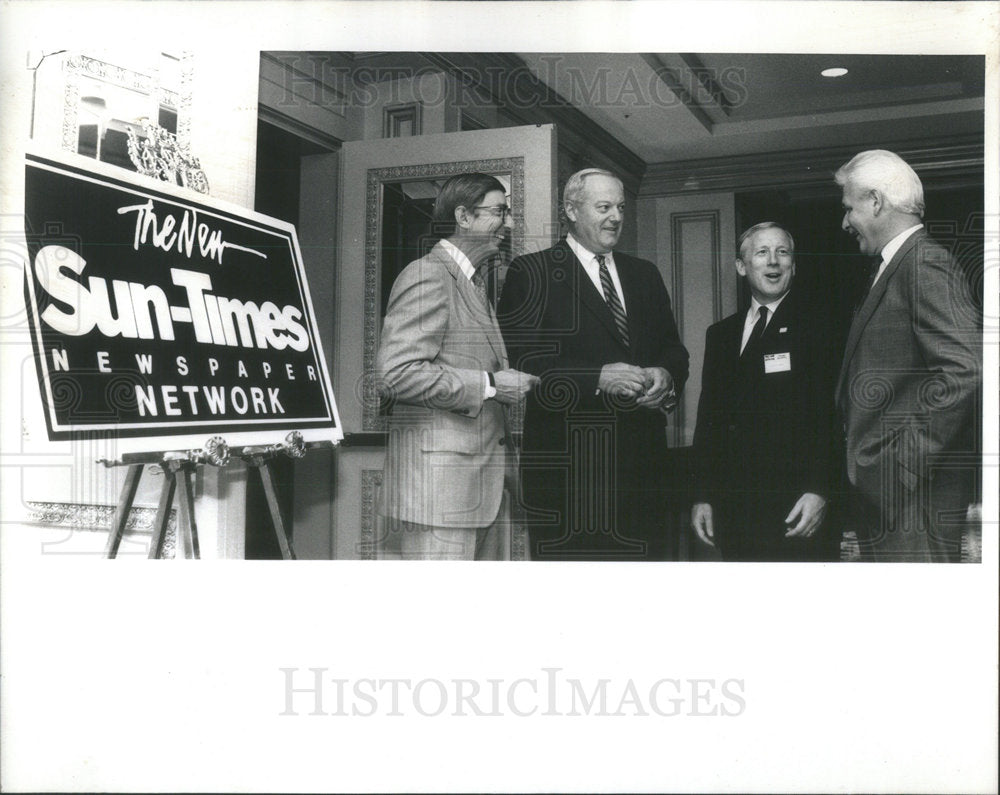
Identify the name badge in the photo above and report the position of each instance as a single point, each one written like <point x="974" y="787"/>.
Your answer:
<point x="777" y="362"/>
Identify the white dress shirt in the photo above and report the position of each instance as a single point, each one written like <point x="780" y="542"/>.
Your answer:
<point x="459" y="256"/>
<point x="753" y="313"/>
<point x="889" y="249"/>
<point x="589" y="261"/>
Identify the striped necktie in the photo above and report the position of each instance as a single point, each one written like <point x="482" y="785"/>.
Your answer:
<point x="614" y="302"/>
<point x="479" y="282"/>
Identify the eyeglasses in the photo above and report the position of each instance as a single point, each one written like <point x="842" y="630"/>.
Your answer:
<point x="501" y="211"/>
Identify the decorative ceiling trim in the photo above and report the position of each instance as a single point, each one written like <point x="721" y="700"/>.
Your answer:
<point x="960" y="158"/>
<point x="509" y="81"/>
<point x="670" y="77"/>
<point x="289" y="124"/>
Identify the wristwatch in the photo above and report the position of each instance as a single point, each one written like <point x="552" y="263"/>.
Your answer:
<point x="491" y="387"/>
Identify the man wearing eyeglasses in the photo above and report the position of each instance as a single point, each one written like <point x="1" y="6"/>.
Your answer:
<point x="442" y="366"/>
<point x="595" y="325"/>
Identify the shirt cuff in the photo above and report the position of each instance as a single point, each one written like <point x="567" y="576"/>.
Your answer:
<point x="489" y="386"/>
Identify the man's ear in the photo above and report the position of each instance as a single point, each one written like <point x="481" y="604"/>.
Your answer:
<point x="463" y="219"/>
<point x="741" y="269"/>
<point x="877" y="200"/>
<point x="570" y="211"/>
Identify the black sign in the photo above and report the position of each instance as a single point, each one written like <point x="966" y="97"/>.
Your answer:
<point x="154" y="315"/>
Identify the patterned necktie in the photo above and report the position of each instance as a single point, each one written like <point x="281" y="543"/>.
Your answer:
<point x="758" y="329"/>
<point x="614" y="302"/>
<point x="479" y="282"/>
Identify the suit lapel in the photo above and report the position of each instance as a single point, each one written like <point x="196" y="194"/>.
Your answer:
<point x="871" y="303"/>
<point x="485" y="316"/>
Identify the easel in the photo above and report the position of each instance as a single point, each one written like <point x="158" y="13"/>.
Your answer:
<point x="177" y="468"/>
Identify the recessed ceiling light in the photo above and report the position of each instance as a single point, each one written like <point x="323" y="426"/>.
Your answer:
<point x="837" y="71"/>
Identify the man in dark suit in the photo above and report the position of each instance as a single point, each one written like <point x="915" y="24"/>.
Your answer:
<point x="764" y="445"/>
<point x="911" y="379"/>
<point x="596" y="326"/>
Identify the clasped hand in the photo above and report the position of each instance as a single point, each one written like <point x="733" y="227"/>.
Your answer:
<point x="648" y="386"/>
<point x="513" y="385"/>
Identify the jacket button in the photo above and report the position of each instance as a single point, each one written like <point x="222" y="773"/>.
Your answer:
<point x="732" y="427"/>
<point x="501" y="442"/>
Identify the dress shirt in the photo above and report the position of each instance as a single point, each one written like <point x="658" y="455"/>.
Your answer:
<point x="589" y="261"/>
<point x="889" y="249"/>
<point x="458" y="255"/>
<point x="753" y="313"/>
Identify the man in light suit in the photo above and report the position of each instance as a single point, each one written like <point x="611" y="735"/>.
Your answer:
<point x="765" y="442"/>
<point x="911" y="379"/>
<point x="442" y="366"/>
<point x="596" y="326"/>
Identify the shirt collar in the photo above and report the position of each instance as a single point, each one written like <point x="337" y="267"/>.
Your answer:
<point x="889" y="249"/>
<point x="771" y="305"/>
<point x="585" y="255"/>
<point x="459" y="256"/>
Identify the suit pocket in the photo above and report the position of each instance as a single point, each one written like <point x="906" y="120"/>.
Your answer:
<point x="451" y="433"/>
<point x="441" y="441"/>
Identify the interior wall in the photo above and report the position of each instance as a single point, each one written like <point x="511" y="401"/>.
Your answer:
<point x="691" y="238"/>
<point x="314" y="475"/>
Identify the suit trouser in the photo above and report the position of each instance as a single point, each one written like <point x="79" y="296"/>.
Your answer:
<point x="428" y="542"/>
<point x="910" y="532"/>
<point x="490" y="542"/>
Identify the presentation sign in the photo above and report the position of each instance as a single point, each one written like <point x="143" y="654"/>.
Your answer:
<point x="166" y="317"/>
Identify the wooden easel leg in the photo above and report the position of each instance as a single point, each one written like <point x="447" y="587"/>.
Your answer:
<point x="125" y="502"/>
<point x="272" y="502"/>
<point x="163" y="515"/>
<point x="186" y="514"/>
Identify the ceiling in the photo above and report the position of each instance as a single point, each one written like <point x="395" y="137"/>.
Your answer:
<point x="684" y="106"/>
<point x="665" y="107"/>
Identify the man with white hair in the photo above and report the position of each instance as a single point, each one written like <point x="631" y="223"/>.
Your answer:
<point x="596" y="326"/>
<point x="910" y="383"/>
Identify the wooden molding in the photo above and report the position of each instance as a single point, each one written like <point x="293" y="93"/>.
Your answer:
<point x="526" y="99"/>
<point x="958" y="161"/>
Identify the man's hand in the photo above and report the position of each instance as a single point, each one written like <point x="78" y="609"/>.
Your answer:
<point x="701" y="522"/>
<point x="658" y="382"/>
<point x="810" y="510"/>
<point x="513" y="385"/>
<point x="622" y="380"/>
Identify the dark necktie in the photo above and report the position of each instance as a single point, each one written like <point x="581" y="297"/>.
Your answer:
<point x="758" y="329"/>
<point x="614" y="302"/>
<point x="873" y="268"/>
<point x="875" y="265"/>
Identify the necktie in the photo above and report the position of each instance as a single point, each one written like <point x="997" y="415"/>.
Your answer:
<point x="479" y="282"/>
<point x="873" y="268"/>
<point x="614" y="302"/>
<point x="875" y="265"/>
<point x="758" y="329"/>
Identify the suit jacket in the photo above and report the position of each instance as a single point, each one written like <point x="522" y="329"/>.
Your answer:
<point x="910" y="383"/>
<point x="765" y="438"/>
<point x="557" y="326"/>
<point x="447" y="446"/>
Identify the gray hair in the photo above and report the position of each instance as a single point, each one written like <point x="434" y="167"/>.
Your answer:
<point x="747" y="236"/>
<point x="888" y="173"/>
<point x="577" y="182"/>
